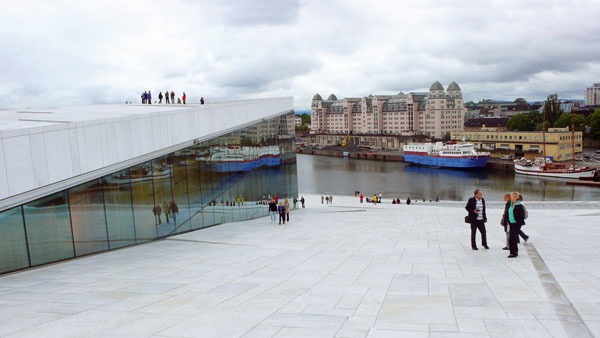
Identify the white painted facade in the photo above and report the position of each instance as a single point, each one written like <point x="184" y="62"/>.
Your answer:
<point x="58" y="147"/>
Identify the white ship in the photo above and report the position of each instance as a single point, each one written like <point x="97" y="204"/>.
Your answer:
<point x="537" y="167"/>
<point x="449" y="155"/>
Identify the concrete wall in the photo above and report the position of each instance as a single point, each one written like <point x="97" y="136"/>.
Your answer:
<point x="53" y="152"/>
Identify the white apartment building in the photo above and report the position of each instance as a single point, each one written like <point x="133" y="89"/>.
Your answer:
<point x="592" y="95"/>
<point x="433" y="114"/>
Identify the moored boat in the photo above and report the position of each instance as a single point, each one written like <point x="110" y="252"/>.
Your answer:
<point x="449" y="155"/>
<point x="537" y="167"/>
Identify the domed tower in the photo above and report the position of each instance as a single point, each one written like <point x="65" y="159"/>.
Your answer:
<point x="314" y="113"/>
<point x="454" y="90"/>
<point x="316" y="98"/>
<point x="436" y="89"/>
<point x="332" y="97"/>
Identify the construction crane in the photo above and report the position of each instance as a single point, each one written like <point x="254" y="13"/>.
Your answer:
<point x="345" y="143"/>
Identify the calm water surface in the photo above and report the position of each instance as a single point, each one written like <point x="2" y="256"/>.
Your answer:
<point x="334" y="175"/>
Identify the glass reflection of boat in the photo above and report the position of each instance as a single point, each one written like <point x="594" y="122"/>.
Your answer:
<point x="447" y="172"/>
<point x="236" y="158"/>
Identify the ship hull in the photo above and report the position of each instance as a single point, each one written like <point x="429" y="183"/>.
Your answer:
<point x="532" y="171"/>
<point x="446" y="162"/>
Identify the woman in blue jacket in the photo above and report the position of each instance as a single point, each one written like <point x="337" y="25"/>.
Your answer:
<point x="516" y="219"/>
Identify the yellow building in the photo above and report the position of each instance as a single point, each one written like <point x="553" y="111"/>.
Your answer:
<point x="559" y="145"/>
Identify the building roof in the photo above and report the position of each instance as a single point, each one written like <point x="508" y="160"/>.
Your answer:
<point x="418" y="96"/>
<point x="453" y="86"/>
<point x="317" y="97"/>
<point x="478" y="122"/>
<point x="436" y="86"/>
<point x="331" y="97"/>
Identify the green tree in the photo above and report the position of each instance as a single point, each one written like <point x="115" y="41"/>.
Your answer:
<point x="305" y="118"/>
<point x="551" y="110"/>
<point x="446" y="137"/>
<point x="303" y="127"/>
<point x="521" y="100"/>
<point x="520" y="122"/>
<point x="566" y="120"/>
<point x="594" y="120"/>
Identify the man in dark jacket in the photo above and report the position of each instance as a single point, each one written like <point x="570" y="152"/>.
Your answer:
<point x="477" y="216"/>
<point x="160" y="97"/>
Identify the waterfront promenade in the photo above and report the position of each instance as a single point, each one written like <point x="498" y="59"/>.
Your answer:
<point x="341" y="270"/>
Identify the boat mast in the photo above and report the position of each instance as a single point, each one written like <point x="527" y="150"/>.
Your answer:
<point x="544" y="136"/>
<point x="573" y="138"/>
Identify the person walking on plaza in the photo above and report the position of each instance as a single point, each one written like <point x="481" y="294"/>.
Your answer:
<point x="149" y="99"/>
<point x="242" y="200"/>
<point x="160" y="97"/>
<point x="330" y="199"/>
<point x="144" y="96"/>
<point x="295" y="203"/>
<point x="326" y="199"/>
<point x="521" y="233"/>
<point x="172" y="97"/>
<point x="202" y="100"/>
<point x="379" y="198"/>
<point x="167" y="97"/>
<point x="183" y="98"/>
<point x="273" y="210"/>
<point x="516" y="219"/>
<point x="408" y="201"/>
<point x="477" y="217"/>
<point x="166" y="210"/>
<point x="286" y="204"/>
<point x="281" y="213"/>
<point x="322" y="199"/>
<point x="302" y="201"/>
<point x="504" y="221"/>
<point x="157" y="211"/>
<point x="361" y="198"/>
<point x="174" y="209"/>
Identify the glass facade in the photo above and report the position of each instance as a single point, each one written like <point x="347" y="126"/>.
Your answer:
<point x="225" y="179"/>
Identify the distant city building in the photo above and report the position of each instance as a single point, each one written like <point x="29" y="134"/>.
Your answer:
<point x="528" y="144"/>
<point x="434" y="113"/>
<point x="585" y="111"/>
<point x="592" y="95"/>
<point x="297" y="121"/>
<point x="479" y="123"/>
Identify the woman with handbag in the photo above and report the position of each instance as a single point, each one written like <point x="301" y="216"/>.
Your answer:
<point x="516" y="219"/>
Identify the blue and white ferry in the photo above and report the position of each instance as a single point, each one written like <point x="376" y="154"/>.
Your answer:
<point x="449" y="155"/>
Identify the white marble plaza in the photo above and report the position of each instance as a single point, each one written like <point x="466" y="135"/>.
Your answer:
<point x="341" y="270"/>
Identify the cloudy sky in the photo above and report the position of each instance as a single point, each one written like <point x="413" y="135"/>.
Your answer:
<point x="77" y="52"/>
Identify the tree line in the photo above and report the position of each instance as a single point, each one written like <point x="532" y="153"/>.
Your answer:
<point x="533" y="121"/>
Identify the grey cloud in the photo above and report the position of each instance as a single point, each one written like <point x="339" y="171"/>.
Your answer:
<point x="254" y="72"/>
<point x="258" y="12"/>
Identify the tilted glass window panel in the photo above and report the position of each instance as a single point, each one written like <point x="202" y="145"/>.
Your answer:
<point x="163" y="194"/>
<point x="147" y="214"/>
<point x="13" y="244"/>
<point x="179" y="205"/>
<point x="48" y="227"/>
<point x="119" y="209"/>
<point x="87" y="218"/>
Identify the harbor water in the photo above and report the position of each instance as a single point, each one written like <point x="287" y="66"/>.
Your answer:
<point x="342" y="176"/>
